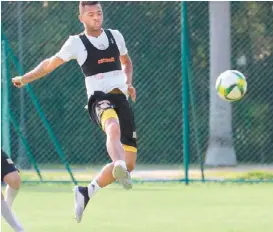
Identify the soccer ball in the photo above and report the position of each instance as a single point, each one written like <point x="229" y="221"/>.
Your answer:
<point x="231" y="85"/>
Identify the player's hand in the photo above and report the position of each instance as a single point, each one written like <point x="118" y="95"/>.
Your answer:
<point x="132" y="92"/>
<point x="17" y="81"/>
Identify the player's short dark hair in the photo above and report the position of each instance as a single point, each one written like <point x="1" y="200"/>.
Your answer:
<point x="82" y="4"/>
<point x="89" y="3"/>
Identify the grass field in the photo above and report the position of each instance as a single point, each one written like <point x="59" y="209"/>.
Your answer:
<point x="149" y="208"/>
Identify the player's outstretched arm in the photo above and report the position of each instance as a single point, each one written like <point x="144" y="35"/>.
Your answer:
<point x="40" y="71"/>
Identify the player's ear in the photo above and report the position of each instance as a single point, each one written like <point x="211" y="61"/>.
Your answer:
<point x="80" y="18"/>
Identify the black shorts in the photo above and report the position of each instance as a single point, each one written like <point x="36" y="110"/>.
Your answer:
<point x="7" y="165"/>
<point x="100" y="102"/>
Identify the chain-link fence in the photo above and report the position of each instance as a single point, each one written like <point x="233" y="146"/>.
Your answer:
<point x="251" y="53"/>
<point x="152" y="31"/>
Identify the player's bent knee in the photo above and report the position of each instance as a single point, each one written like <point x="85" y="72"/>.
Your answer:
<point x="13" y="180"/>
<point x="112" y="129"/>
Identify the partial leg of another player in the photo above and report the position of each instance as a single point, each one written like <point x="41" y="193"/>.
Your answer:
<point x="13" y="182"/>
<point x="9" y="175"/>
<point x="9" y="216"/>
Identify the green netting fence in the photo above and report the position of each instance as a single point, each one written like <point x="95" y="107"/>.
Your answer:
<point x="54" y="129"/>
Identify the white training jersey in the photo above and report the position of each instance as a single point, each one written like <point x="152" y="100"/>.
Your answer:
<point x="73" y="48"/>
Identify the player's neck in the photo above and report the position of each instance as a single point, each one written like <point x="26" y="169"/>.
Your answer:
<point x="93" y="33"/>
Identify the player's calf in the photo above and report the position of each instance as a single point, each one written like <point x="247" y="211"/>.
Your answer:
<point x="130" y="158"/>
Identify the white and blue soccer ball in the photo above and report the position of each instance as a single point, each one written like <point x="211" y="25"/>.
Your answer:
<point x="231" y="85"/>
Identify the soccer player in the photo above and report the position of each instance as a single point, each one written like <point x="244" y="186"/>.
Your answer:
<point x="9" y="174"/>
<point x="107" y="67"/>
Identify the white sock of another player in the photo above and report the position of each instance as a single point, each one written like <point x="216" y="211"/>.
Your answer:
<point x="10" y="195"/>
<point x="93" y="188"/>
<point x="10" y="217"/>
